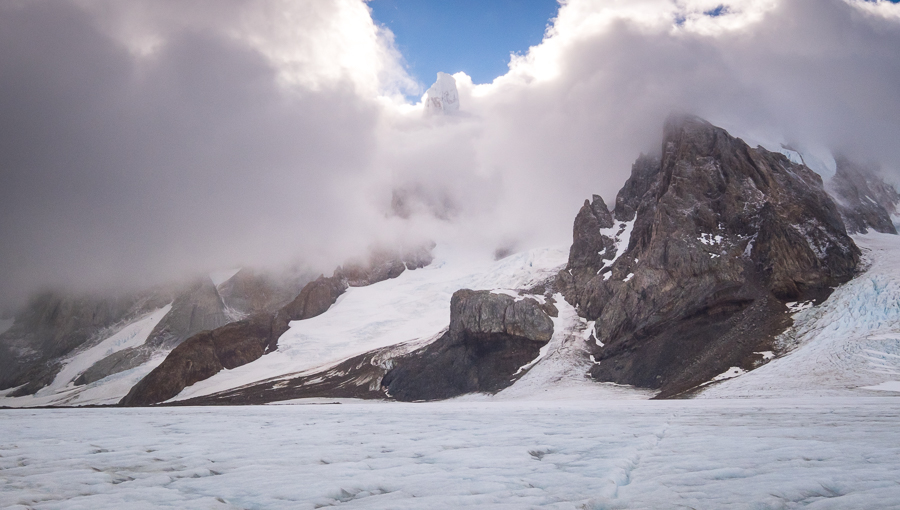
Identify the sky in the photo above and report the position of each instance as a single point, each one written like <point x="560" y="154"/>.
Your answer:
<point x="145" y="141"/>
<point x="472" y="36"/>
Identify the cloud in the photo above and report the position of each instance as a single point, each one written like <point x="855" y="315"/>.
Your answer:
<point x="124" y="167"/>
<point x="575" y="111"/>
<point x="144" y="141"/>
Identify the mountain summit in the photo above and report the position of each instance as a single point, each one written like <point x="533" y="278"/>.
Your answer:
<point x="709" y="242"/>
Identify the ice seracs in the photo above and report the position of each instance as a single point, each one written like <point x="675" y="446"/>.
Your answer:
<point x="442" y="97"/>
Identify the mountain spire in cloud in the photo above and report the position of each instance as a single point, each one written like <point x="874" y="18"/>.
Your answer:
<point x="442" y="96"/>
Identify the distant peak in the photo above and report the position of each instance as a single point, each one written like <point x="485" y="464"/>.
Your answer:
<point x="442" y="97"/>
<point x="684" y="121"/>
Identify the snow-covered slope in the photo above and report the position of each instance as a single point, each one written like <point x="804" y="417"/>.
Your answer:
<point x="411" y="307"/>
<point x="109" y="390"/>
<point x="850" y="344"/>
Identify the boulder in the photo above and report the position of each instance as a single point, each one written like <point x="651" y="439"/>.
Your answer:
<point x="490" y="337"/>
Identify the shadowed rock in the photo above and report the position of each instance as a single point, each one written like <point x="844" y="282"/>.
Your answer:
<point x="490" y="337"/>
<point x="53" y="326"/>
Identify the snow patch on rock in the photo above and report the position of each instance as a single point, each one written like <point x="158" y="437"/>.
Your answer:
<point x="621" y="234"/>
<point x="110" y="389"/>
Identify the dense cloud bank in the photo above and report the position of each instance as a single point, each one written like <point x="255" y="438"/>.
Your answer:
<point x="144" y="141"/>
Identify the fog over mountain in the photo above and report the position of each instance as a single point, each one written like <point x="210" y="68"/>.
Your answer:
<point x="144" y="141"/>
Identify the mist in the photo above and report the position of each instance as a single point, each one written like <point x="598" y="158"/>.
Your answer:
<point x="143" y="142"/>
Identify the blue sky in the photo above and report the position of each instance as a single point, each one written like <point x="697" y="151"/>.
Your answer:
<point x="474" y="36"/>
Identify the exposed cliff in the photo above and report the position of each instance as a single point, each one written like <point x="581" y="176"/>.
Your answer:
<point x="709" y="242"/>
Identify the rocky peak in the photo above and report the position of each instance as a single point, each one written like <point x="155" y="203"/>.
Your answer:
<point x="722" y="234"/>
<point x="865" y="200"/>
<point x="631" y="196"/>
<point x="250" y="292"/>
<point x="588" y="238"/>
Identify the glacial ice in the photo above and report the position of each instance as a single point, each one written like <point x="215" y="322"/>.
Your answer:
<point x="844" y="346"/>
<point x="409" y="308"/>
<point x="767" y="454"/>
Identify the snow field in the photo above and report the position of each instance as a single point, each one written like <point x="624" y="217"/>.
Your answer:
<point x="765" y="454"/>
<point x="409" y="308"/>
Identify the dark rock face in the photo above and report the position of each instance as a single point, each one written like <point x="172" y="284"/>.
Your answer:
<point x="864" y="199"/>
<point x="722" y="234"/>
<point x="201" y="357"/>
<point x="384" y="265"/>
<point x="53" y="326"/>
<point x="198" y="309"/>
<point x="205" y="354"/>
<point x="249" y="292"/>
<point x="357" y="377"/>
<point x="315" y="299"/>
<point x="484" y="313"/>
<point x="490" y="337"/>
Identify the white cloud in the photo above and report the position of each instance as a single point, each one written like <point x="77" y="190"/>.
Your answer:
<point x="173" y="137"/>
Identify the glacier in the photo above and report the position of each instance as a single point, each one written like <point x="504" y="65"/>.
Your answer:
<point x="844" y="346"/>
<point x="727" y="453"/>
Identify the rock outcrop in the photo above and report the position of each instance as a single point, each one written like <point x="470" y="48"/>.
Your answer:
<point x="201" y="357"/>
<point x="491" y="336"/>
<point x="710" y="240"/>
<point x="864" y="199"/>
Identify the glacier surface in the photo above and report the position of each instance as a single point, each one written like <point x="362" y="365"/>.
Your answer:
<point x="745" y="453"/>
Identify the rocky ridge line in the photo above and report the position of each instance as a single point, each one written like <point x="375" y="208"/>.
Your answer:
<point x="206" y="353"/>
